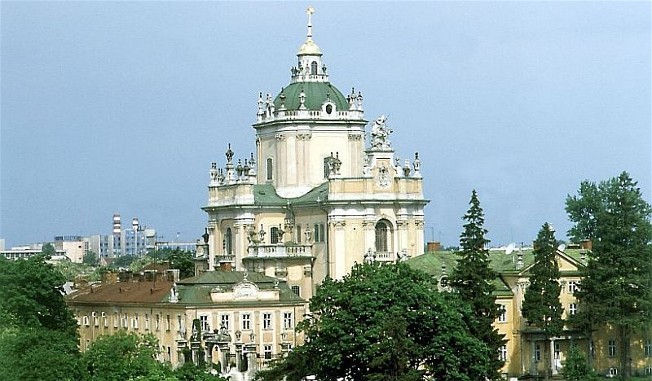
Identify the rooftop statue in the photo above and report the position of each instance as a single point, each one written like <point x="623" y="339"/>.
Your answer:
<point x="380" y="134"/>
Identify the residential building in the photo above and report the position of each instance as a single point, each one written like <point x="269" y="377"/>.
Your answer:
<point x="526" y="350"/>
<point x="237" y="319"/>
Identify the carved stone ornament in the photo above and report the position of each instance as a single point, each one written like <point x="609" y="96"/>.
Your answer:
<point x="245" y="289"/>
<point x="383" y="177"/>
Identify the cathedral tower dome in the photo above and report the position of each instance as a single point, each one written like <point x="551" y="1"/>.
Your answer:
<point x="309" y="87"/>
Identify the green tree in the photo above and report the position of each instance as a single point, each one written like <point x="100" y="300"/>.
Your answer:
<point x="35" y="323"/>
<point x="617" y="280"/>
<point x="48" y="250"/>
<point x="39" y="354"/>
<point x="541" y="306"/>
<point x="576" y="366"/>
<point x="123" y="356"/>
<point x="91" y="259"/>
<point x="31" y="292"/>
<point x="473" y="280"/>
<point x="178" y="259"/>
<point x="384" y="322"/>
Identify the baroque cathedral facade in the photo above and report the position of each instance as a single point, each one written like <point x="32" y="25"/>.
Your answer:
<point x="319" y="194"/>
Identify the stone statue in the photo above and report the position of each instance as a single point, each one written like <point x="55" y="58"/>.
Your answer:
<point x="380" y="134"/>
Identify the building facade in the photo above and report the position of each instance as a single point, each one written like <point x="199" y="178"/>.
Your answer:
<point x="527" y="352"/>
<point x="317" y="195"/>
<point x="238" y="320"/>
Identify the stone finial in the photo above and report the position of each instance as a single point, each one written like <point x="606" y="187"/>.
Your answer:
<point x="213" y="173"/>
<point x="229" y="155"/>
<point x="416" y="164"/>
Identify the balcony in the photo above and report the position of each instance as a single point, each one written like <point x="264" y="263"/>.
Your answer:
<point x="384" y="256"/>
<point x="279" y="251"/>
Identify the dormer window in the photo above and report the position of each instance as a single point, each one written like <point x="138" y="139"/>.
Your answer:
<point x="329" y="109"/>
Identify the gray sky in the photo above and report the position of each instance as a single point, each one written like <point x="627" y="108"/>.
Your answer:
<point x="120" y="107"/>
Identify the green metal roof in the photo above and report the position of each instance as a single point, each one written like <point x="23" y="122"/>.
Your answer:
<point x="197" y="290"/>
<point x="265" y="195"/>
<point x="316" y="94"/>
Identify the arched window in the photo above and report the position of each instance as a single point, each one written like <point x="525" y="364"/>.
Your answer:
<point x="383" y="230"/>
<point x="273" y="235"/>
<point x="228" y="242"/>
<point x="270" y="168"/>
<point x="313" y="68"/>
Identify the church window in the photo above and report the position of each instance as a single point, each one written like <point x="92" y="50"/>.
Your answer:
<point x="273" y="234"/>
<point x="319" y="233"/>
<point x="298" y="233"/>
<point x="228" y="242"/>
<point x="382" y="236"/>
<point x="313" y="68"/>
<point x="537" y="353"/>
<point x="270" y="168"/>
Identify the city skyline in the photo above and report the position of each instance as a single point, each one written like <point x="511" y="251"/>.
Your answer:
<point x="121" y="107"/>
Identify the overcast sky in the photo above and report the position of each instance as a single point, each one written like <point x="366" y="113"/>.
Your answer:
<point x="120" y="107"/>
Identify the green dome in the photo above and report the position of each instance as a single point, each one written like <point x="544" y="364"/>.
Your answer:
<point x="316" y="95"/>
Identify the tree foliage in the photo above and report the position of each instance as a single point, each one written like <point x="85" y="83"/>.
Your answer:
<point x="382" y="322"/>
<point x="473" y="280"/>
<point x="91" y="259"/>
<point x="541" y="306"/>
<point x="31" y="293"/>
<point x="576" y="366"/>
<point x="35" y="323"/>
<point x="179" y="259"/>
<point x="123" y="356"/>
<point x="617" y="280"/>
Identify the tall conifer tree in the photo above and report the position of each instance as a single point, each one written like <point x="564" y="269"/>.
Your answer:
<point x="617" y="281"/>
<point x="541" y="306"/>
<point x="473" y="279"/>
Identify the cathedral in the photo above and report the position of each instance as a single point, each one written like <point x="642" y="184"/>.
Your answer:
<point x="323" y="190"/>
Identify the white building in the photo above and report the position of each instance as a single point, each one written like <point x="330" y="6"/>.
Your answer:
<point x="316" y="196"/>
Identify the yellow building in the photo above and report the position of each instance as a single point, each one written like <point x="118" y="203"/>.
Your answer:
<point x="237" y="319"/>
<point x="526" y="351"/>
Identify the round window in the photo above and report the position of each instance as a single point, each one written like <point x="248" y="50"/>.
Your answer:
<point x="329" y="109"/>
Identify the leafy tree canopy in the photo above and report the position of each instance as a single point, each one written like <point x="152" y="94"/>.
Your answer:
<point x="123" y="356"/>
<point x="385" y="322"/>
<point x="31" y="293"/>
<point x="617" y="280"/>
<point x="91" y="259"/>
<point x="179" y="259"/>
